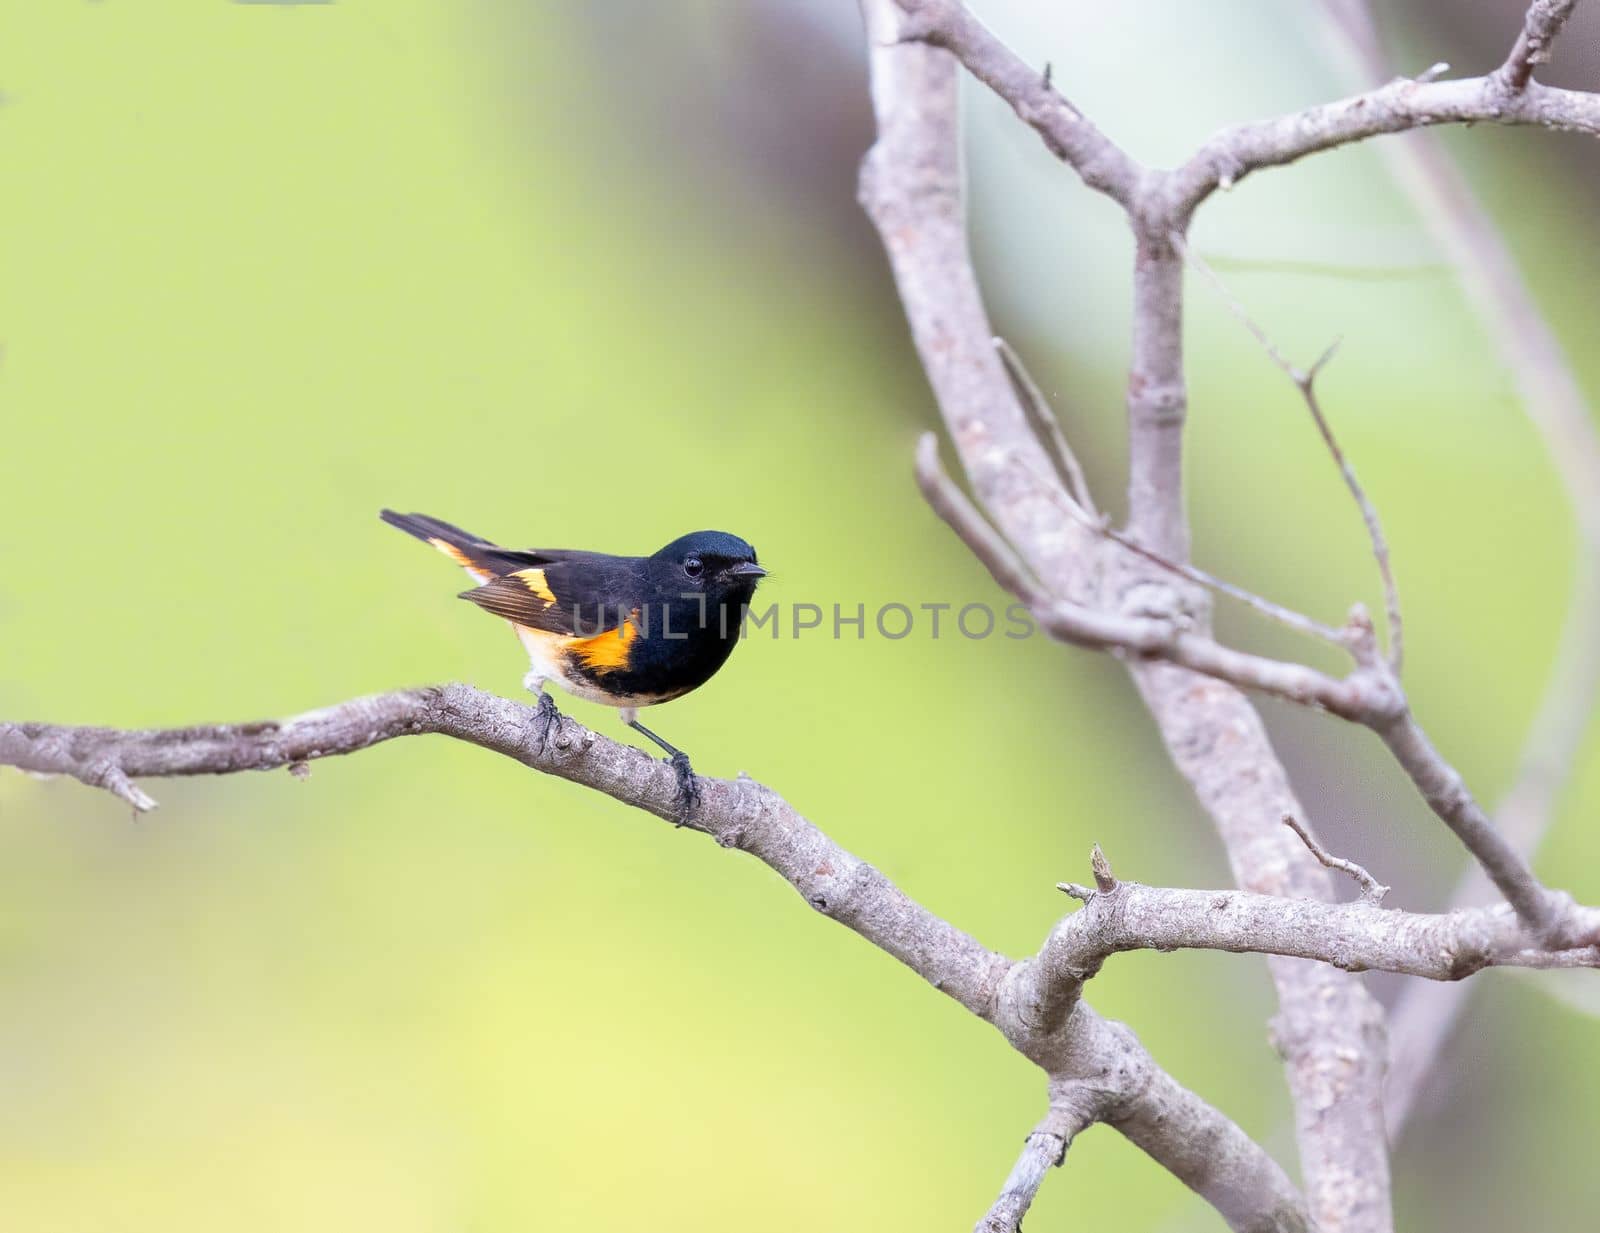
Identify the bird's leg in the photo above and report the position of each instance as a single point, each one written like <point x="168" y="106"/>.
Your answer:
<point x="688" y="790"/>
<point x="549" y="716"/>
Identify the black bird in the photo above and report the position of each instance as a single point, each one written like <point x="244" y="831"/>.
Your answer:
<point x="627" y="632"/>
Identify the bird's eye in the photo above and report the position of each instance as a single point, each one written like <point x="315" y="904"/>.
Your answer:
<point x="693" y="567"/>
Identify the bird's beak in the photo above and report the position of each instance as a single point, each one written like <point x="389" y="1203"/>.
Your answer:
<point x="745" y="569"/>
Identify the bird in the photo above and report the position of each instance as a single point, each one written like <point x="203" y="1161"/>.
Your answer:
<point x="626" y="632"/>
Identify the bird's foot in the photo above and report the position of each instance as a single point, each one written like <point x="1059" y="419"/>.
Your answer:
<point x="548" y="718"/>
<point x="688" y="789"/>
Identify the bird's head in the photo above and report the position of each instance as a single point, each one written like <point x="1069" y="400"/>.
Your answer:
<point x="722" y="566"/>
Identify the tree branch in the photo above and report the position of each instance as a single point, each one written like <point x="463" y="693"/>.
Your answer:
<point x="1329" y="1032"/>
<point x="1361" y="696"/>
<point x="1157" y="401"/>
<point x="1354" y="937"/>
<point x="1506" y="96"/>
<point x="1446" y="793"/>
<point x="1115" y="1077"/>
<point x="1401" y="105"/>
<point x="1305" y="380"/>
<point x="1540" y="27"/>
<point x="911" y="189"/>
<point x="1372" y="890"/>
<point x="1079" y="1052"/>
<point x="1424" y="1016"/>
<point x="1441" y="786"/>
<point x="1044" y="1148"/>
<point x="1369" y="696"/>
<point x="1213" y="735"/>
<point x="1066" y="131"/>
<point x="1048" y="428"/>
<point x="736" y="813"/>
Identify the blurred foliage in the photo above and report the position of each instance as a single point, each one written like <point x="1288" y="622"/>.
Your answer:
<point x="268" y="268"/>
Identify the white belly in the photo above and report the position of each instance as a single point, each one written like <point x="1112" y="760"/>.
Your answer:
<point x="548" y="662"/>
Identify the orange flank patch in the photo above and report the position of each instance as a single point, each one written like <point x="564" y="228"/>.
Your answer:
<point x="533" y="579"/>
<point x="608" y="651"/>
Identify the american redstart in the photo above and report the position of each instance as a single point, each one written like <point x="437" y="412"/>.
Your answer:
<point x="626" y="632"/>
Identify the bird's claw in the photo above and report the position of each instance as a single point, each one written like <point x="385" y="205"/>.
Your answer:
<point x="688" y="789"/>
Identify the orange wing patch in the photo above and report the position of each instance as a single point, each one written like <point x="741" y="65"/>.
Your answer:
<point x="533" y="579"/>
<point x="609" y="651"/>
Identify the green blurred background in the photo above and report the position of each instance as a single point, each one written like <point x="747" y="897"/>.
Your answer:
<point x="592" y="274"/>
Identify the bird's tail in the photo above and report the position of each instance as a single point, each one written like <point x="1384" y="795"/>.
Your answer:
<point x="476" y="556"/>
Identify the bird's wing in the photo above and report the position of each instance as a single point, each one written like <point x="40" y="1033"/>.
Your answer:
<point x="578" y="594"/>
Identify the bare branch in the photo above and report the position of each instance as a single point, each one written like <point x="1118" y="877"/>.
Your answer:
<point x="1539" y="30"/>
<point x="1369" y="515"/>
<point x="1112" y="1079"/>
<point x="1048" y="427"/>
<point x="911" y="187"/>
<point x="1354" y="937"/>
<point x="1372" y="890"/>
<point x="1153" y="1112"/>
<point x="1330" y="1031"/>
<point x="1067" y="133"/>
<point x="1287" y="617"/>
<point x="1545" y="911"/>
<point x="1440" y="784"/>
<point x="1305" y="380"/>
<point x="947" y="500"/>
<point x="1270" y="609"/>
<point x="736" y="813"/>
<point x="1424" y="1016"/>
<point x="1397" y="107"/>
<point x="1323" y="1017"/>
<point x="1079" y="1049"/>
<point x="1045" y="1147"/>
<point x="1362" y="696"/>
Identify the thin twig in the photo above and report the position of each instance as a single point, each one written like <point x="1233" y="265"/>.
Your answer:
<point x="1447" y="795"/>
<point x="1372" y="890"/>
<point x="1267" y="608"/>
<point x="1273" y="611"/>
<point x="1048" y="427"/>
<point x="1066" y="131"/>
<point x="1041" y="1151"/>
<point x="1540" y="26"/>
<point x="1362" y="696"/>
<point x="986" y="543"/>
<point x="1369" y="515"/>
<point x="1305" y="381"/>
